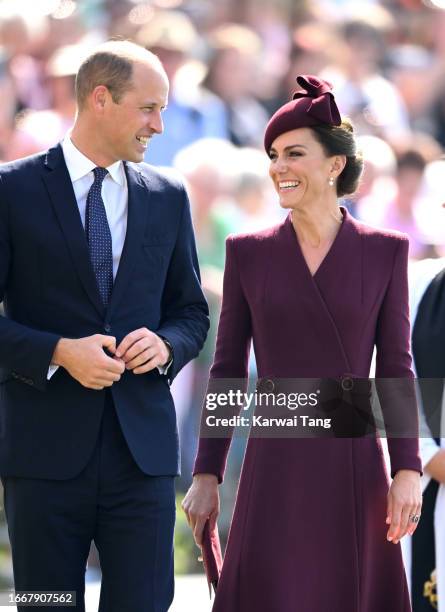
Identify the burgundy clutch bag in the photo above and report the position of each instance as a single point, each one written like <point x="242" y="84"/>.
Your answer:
<point x="211" y="555"/>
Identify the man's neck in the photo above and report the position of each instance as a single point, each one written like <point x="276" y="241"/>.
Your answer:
<point x="81" y="139"/>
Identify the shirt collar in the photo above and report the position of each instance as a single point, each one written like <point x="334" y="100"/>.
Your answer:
<point x="79" y="165"/>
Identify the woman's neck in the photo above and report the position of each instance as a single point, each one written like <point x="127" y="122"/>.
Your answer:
<point x="316" y="226"/>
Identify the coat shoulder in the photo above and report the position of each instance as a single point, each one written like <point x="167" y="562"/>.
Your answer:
<point x="253" y="241"/>
<point x="13" y="169"/>
<point x="162" y="178"/>
<point x="386" y="240"/>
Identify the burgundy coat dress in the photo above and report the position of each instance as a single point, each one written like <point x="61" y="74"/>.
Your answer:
<point x="308" y="532"/>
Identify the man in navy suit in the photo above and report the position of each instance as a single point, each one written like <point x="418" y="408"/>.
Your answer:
<point x="100" y="284"/>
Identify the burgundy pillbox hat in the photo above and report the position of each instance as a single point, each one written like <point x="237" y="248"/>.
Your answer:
<point x="313" y="106"/>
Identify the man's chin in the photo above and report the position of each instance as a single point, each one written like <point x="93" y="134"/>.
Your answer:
<point x="135" y="156"/>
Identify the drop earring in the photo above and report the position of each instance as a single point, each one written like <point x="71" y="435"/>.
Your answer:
<point x="331" y="181"/>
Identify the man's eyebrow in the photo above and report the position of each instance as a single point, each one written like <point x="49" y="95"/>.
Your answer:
<point x="152" y="103"/>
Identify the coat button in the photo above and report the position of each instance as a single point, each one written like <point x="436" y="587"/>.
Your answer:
<point x="347" y="383"/>
<point x="107" y="327"/>
<point x="269" y="386"/>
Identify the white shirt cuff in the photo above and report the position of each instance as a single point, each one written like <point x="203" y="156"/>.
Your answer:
<point x="51" y="370"/>
<point x="164" y="369"/>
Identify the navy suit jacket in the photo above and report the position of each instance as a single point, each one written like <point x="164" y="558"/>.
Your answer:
<point x="48" y="428"/>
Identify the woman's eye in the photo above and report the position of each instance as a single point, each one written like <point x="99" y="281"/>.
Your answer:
<point x="294" y="154"/>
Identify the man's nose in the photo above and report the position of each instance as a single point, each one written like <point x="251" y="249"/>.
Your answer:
<point x="156" y="123"/>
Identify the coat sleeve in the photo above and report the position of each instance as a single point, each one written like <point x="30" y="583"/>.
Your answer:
<point x="394" y="376"/>
<point x="185" y="314"/>
<point x="25" y="353"/>
<point x="231" y="360"/>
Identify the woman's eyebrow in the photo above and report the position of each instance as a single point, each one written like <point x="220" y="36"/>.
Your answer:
<point x="290" y="147"/>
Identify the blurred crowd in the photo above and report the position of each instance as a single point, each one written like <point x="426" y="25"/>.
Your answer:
<point x="231" y="63"/>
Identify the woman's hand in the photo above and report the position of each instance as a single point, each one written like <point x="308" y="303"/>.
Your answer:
<point x="404" y="502"/>
<point x="201" y="503"/>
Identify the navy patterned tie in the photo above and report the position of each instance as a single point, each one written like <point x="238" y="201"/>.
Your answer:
<point x="99" y="236"/>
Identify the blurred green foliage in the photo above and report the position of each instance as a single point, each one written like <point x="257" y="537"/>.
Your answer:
<point x="186" y="551"/>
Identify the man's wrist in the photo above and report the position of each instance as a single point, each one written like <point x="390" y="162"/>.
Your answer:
<point x="59" y="354"/>
<point x="170" y="352"/>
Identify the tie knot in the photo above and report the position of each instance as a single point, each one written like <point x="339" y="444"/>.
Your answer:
<point x="99" y="174"/>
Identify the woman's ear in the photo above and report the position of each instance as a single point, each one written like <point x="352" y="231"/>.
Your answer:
<point x="339" y="162"/>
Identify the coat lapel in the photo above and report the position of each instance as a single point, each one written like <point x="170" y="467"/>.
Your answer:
<point x="328" y="280"/>
<point x="63" y="200"/>
<point x="138" y="213"/>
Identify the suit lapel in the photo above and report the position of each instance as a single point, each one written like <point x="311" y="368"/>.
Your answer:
<point x="61" y="193"/>
<point x="138" y="213"/>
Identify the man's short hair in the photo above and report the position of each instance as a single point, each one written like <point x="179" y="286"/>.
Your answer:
<point x="111" y="65"/>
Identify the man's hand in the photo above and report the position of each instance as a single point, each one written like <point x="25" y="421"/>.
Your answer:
<point x="142" y="350"/>
<point x="404" y="502"/>
<point x="87" y="362"/>
<point x="202" y="503"/>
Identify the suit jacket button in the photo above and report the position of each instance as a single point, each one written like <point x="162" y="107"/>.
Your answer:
<point x="107" y="327"/>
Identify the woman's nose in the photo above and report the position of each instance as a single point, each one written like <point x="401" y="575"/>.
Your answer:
<point x="281" y="165"/>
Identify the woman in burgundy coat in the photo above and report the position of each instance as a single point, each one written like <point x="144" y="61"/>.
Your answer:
<point x="316" y="527"/>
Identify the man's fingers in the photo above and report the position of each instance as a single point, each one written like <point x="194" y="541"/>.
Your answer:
<point x="113" y="366"/>
<point x="97" y="385"/>
<point x="147" y="366"/>
<point x="130" y="339"/>
<point x="126" y="343"/>
<point x="108" y="342"/>
<point x="141" y="359"/>
<point x="102" y="379"/>
<point x="140" y="347"/>
<point x="136" y="349"/>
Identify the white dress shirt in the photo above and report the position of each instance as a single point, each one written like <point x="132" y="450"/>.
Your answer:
<point x="114" y="193"/>
<point x="115" y="198"/>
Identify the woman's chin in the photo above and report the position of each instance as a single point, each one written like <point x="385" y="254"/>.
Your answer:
<point x="287" y="203"/>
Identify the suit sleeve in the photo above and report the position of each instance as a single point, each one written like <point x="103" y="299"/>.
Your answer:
<point x="394" y="376"/>
<point x="185" y="314"/>
<point x="230" y="365"/>
<point x="25" y="353"/>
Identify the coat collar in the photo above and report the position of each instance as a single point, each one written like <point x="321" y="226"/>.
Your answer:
<point x="347" y="236"/>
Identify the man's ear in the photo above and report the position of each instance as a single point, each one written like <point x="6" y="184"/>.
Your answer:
<point x="100" y="96"/>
